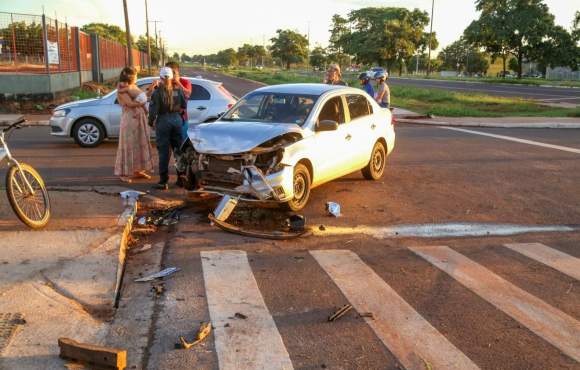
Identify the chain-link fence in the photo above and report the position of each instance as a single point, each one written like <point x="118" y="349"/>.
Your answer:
<point x="39" y="44"/>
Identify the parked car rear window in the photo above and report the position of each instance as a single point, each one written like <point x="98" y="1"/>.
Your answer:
<point x="272" y="107"/>
<point x="358" y="106"/>
<point x="199" y="93"/>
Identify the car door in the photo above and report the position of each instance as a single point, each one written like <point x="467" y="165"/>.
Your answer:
<point x="362" y="129"/>
<point x="198" y="105"/>
<point x="331" y="147"/>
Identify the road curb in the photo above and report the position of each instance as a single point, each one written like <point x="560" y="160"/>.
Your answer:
<point x="485" y="82"/>
<point x="554" y="125"/>
<point x="124" y="227"/>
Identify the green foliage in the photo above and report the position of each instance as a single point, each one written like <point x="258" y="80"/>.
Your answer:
<point x="227" y="57"/>
<point x="29" y="41"/>
<point x="141" y="44"/>
<point x="461" y="56"/>
<point x="108" y="31"/>
<point x="318" y="57"/>
<point x="291" y="47"/>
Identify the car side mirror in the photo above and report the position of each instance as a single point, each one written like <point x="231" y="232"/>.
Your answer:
<point x="327" y="125"/>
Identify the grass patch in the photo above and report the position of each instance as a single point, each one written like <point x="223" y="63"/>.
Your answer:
<point x="425" y="100"/>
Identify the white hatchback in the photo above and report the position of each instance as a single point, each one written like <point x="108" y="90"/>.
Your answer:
<point x="90" y="121"/>
<point x="279" y="142"/>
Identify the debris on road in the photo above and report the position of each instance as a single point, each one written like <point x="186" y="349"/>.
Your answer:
<point x="168" y="271"/>
<point x="238" y="315"/>
<point x="333" y="209"/>
<point x="274" y="235"/>
<point x="144" y="248"/>
<point x="225" y="208"/>
<point x="102" y="357"/>
<point x="340" y="313"/>
<point x="296" y="223"/>
<point x="204" y="331"/>
<point x="165" y="217"/>
<point x="322" y="228"/>
<point x="369" y="315"/>
<point x="8" y="326"/>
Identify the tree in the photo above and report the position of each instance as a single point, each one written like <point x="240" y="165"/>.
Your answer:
<point x="29" y="41"/>
<point x="259" y="52"/>
<point x="291" y="47"/>
<point x="185" y="58"/>
<point x="318" y="57"/>
<point x="245" y="54"/>
<point x="108" y="31"/>
<point x="576" y="27"/>
<point x="461" y="56"/>
<point x="227" y="57"/>
<point x="141" y="44"/>
<point x="385" y="36"/>
<point x="517" y="27"/>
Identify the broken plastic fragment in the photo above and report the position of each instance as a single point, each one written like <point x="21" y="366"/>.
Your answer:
<point x="131" y="194"/>
<point x="333" y="209"/>
<point x="168" y="271"/>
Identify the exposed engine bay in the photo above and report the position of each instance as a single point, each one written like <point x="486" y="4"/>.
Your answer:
<point x="242" y="174"/>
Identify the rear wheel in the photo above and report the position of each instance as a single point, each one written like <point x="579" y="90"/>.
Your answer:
<point x="88" y="133"/>
<point x="376" y="167"/>
<point x="32" y="208"/>
<point x="301" y="184"/>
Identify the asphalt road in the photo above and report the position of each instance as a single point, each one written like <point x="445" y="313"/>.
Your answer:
<point x="543" y="93"/>
<point x="477" y="304"/>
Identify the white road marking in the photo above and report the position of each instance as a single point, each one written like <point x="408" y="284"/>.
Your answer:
<point x="441" y="230"/>
<point x="565" y="263"/>
<point x="509" y="138"/>
<point x="573" y="98"/>
<point x="551" y="324"/>
<point x="405" y="333"/>
<point x="251" y="343"/>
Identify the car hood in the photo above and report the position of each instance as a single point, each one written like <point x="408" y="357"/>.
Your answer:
<point x="236" y="137"/>
<point x="80" y="103"/>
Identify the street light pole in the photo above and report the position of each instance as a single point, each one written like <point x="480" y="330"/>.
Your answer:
<point x="128" y="34"/>
<point x="430" y="37"/>
<point x="148" y="39"/>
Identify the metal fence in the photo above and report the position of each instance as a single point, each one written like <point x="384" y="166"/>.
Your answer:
<point x="38" y="44"/>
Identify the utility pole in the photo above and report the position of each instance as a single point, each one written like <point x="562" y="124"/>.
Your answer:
<point x="162" y="47"/>
<point x="128" y="34"/>
<point x="148" y="39"/>
<point x="430" y="37"/>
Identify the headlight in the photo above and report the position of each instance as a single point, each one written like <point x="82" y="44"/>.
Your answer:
<point x="60" y="113"/>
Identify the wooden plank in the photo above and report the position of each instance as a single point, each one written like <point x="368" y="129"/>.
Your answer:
<point x="106" y="357"/>
<point x="549" y="323"/>
<point x="411" y="338"/>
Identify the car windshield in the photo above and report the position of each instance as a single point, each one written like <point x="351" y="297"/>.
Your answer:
<point x="272" y="107"/>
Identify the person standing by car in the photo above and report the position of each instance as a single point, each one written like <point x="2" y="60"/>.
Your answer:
<point x="167" y="105"/>
<point x="134" y="150"/>
<point x="365" y="81"/>
<point x="185" y="85"/>
<point x="334" y="76"/>
<point x="384" y="93"/>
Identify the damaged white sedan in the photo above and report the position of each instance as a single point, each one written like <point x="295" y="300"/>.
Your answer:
<point x="279" y="142"/>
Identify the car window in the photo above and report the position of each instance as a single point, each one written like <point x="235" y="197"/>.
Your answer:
<point x="199" y="93"/>
<point x="358" y="106"/>
<point x="333" y="110"/>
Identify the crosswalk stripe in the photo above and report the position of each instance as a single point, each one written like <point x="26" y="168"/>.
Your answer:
<point x="565" y="263"/>
<point x="549" y="323"/>
<point x="241" y="343"/>
<point x="403" y="330"/>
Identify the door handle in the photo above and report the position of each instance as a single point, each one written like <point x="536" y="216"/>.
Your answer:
<point x="348" y="137"/>
<point x="201" y="108"/>
<point x="373" y="126"/>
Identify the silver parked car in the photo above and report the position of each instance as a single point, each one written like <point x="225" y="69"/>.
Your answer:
<point x="90" y="121"/>
<point x="279" y="142"/>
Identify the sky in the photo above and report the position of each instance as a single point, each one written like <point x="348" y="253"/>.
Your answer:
<point x="203" y="27"/>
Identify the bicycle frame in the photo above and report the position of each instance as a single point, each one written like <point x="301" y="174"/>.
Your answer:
<point x="5" y="155"/>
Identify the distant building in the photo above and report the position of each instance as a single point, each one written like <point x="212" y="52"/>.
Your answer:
<point x="562" y="73"/>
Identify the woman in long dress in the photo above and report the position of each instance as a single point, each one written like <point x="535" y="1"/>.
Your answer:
<point x="134" y="154"/>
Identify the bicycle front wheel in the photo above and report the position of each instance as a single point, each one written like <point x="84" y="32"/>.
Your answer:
<point x="32" y="208"/>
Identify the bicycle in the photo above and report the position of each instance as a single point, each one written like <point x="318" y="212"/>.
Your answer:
<point x="25" y="188"/>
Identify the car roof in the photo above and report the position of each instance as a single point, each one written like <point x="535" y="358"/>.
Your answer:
<point x="307" y="89"/>
<point x="192" y="79"/>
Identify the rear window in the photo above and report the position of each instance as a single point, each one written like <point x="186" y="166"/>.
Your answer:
<point x="358" y="106"/>
<point x="199" y="93"/>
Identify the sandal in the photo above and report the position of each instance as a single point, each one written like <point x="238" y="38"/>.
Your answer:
<point x="143" y="175"/>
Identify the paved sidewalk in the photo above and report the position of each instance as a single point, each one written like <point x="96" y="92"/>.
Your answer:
<point x="31" y="119"/>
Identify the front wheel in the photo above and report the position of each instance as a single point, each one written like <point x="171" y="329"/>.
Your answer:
<point x="301" y="184"/>
<point x="376" y="167"/>
<point x="32" y="208"/>
<point x="88" y="133"/>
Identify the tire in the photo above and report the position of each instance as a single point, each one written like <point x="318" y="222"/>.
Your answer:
<point x="375" y="169"/>
<point x="33" y="210"/>
<point x="88" y="133"/>
<point x="301" y="183"/>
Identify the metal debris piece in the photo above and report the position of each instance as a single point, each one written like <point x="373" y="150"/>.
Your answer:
<point x="240" y="316"/>
<point x="8" y="325"/>
<point x="296" y="223"/>
<point x="340" y="313"/>
<point x="161" y="217"/>
<point x="225" y="208"/>
<point x="145" y="248"/>
<point x="333" y="209"/>
<point x="369" y="315"/>
<point x="131" y="194"/>
<point x="168" y="271"/>
<point x="274" y="235"/>
<point x="203" y="332"/>
<point x="142" y="221"/>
